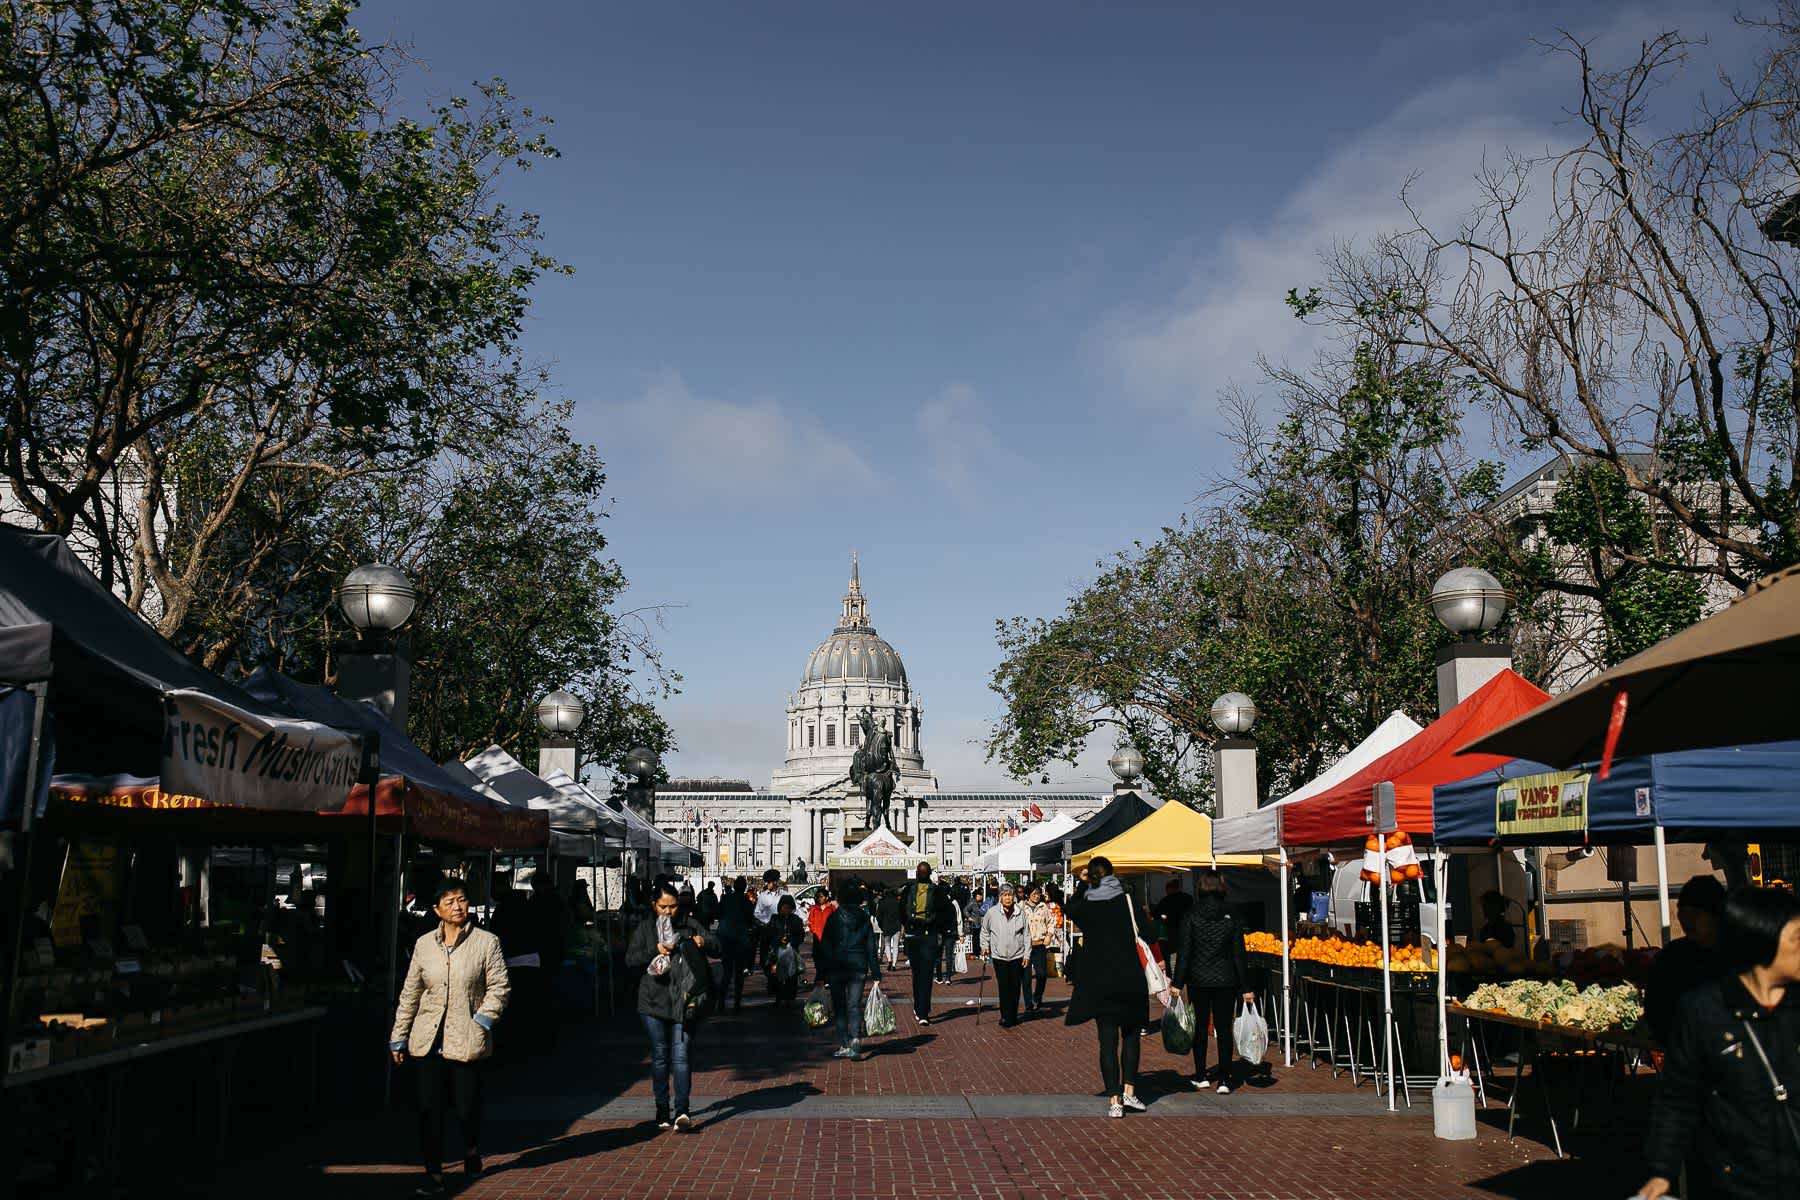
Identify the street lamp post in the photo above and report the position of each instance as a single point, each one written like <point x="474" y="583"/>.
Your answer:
<point x="1469" y="603"/>
<point x="1234" y="755"/>
<point x="377" y="599"/>
<point x="559" y="714"/>
<point x="1126" y="764"/>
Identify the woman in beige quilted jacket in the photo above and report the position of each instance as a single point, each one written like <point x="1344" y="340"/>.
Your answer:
<point x="455" y="991"/>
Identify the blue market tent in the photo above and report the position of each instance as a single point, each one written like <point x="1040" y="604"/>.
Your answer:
<point x="1745" y="788"/>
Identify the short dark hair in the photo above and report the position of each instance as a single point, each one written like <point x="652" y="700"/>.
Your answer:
<point x="1210" y="883"/>
<point x="786" y="901"/>
<point x="447" y="885"/>
<point x="771" y="876"/>
<point x="1704" y="893"/>
<point x="665" y="887"/>
<point x="1751" y="924"/>
<point x="922" y="871"/>
<point x="852" y="895"/>
<point x="1099" y="867"/>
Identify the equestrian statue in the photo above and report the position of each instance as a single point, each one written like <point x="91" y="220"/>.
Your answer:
<point x="874" y="770"/>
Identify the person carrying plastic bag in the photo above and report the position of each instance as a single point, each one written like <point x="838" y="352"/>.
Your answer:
<point x="1250" y="1034"/>
<point x="1178" y="1026"/>
<point x="1210" y="964"/>
<point x="849" y="957"/>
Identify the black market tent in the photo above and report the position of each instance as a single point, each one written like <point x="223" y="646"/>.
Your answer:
<point x="1126" y="810"/>
<point x="25" y="669"/>
<point x="110" y="668"/>
<point x="399" y="754"/>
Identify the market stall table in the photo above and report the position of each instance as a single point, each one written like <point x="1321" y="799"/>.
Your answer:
<point x="220" y="1042"/>
<point x="1535" y="1040"/>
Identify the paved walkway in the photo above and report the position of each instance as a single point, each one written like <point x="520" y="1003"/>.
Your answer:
<point x="961" y="1108"/>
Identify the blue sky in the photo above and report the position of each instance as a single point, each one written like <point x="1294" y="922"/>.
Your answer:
<point x="954" y="284"/>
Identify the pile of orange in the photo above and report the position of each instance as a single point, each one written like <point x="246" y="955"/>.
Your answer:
<point x="1340" y="952"/>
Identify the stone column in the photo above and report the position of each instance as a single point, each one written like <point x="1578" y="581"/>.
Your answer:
<point x="1235" y="774"/>
<point x="557" y="753"/>
<point x="1464" y="667"/>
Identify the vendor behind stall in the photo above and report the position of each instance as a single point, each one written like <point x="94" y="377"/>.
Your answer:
<point x="1688" y="961"/>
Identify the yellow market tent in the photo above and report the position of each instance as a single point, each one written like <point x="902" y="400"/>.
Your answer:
<point x="1173" y="838"/>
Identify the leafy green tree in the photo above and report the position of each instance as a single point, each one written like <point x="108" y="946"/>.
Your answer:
<point x="1607" y="528"/>
<point x="228" y="259"/>
<point x="505" y="542"/>
<point x="1303" y="582"/>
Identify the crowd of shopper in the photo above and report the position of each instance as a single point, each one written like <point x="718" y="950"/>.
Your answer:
<point x="1720" y="999"/>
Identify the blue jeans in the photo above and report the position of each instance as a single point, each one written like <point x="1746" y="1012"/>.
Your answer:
<point x="847" y="1006"/>
<point x="668" y="1052"/>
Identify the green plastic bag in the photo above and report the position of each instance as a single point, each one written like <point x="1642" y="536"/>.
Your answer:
<point x="817" y="1010"/>
<point x="1178" y="1026"/>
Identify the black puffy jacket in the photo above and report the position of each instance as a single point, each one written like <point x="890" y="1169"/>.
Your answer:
<point x="848" y="946"/>
<point x="1211" y="950"/>
<point x="1717" y="1101"/>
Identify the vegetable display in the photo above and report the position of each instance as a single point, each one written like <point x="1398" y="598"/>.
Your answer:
<point x="1560" y="1002"/>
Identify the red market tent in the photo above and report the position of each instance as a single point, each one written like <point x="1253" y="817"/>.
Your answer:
<point x="1423" y="761"/>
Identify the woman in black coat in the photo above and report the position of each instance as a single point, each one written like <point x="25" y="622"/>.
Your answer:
<point x="658" y="942"/>
<point x="849" y="957"/>
<point x="1736" y="1046"/>
<point x="1109" y="982"/>
<point x="785" y="929"/>
<point x="1210" y="963"/>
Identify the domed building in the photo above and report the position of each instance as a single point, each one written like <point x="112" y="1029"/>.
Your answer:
<point x="853" y="669"/>
<point x="811" y="814"/>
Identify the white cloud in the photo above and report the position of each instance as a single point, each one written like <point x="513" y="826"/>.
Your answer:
<point x="963" y="450"/>
<point x="1182" y="351"/>
<point x="703" y="447"/>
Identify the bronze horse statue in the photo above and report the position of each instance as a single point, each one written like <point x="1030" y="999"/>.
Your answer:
<point x="874" y="770"/>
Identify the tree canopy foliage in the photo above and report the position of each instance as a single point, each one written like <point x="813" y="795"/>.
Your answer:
<point x="258" y="326"/>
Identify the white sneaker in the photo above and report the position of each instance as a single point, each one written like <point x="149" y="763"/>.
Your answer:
<point x="1115" y="1110"/>
<point x="1201" y="1084"/>
<point x="1224" y="1089"/>
<point x="1133" y="1103"/>
<point x="843" y="1052"/>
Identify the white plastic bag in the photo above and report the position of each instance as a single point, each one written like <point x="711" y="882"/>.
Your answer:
<point x="960" y="961"/>
<point x="1251" y="1034"/>
<point x="787" y="964"/>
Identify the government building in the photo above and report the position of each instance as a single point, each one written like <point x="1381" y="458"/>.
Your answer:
<point x="810" y="811"/>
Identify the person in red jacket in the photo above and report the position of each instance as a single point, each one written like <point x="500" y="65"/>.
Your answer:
<point x="823" y="907"/>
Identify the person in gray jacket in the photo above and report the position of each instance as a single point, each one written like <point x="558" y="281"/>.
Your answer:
<point x="1006" y="937"/>
<point x="671" y="951"/>
<point x="455" y="991"/>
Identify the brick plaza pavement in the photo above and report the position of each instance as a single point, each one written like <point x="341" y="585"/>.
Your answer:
<point x="959" y="1109"/>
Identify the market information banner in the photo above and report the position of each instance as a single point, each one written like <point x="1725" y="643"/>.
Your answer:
<point x="224" y="754"/>
<point x="1554" y="802"/>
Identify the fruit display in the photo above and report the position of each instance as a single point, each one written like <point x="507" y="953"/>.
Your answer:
<point x="1340" y="952"/>
<point x="1398" y="856"/>
<point x="1560" y="1002"/>
<point x="1491" y="958"/>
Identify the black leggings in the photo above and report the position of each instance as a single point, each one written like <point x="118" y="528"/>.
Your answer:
<point x="1220" y="1003"/>
<point x="1117" y="1042"/>
<point x="437" y="1076"/>
<point x="734" y="958"/>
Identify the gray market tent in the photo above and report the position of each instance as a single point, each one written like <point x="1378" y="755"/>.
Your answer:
<point x="578" y="821"/>
<point x="1126" y="810"/>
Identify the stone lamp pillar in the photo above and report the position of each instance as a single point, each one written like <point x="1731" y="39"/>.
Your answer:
<point x="560" y="714"/>
<point x="1234" y="755"/>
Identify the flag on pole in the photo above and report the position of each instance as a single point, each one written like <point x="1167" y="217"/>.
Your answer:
<point x="1037" y="814"/>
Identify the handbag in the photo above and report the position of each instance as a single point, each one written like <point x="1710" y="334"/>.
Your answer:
<point x="1155" y="981"/>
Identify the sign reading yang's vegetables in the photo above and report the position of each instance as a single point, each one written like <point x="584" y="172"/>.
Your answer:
<point x="1554" y="802"/>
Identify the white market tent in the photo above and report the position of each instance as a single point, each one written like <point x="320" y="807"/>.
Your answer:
<point x="1014" y="854"/>
<point x="1260" y="832"/>
<point x="504" y="777"/>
